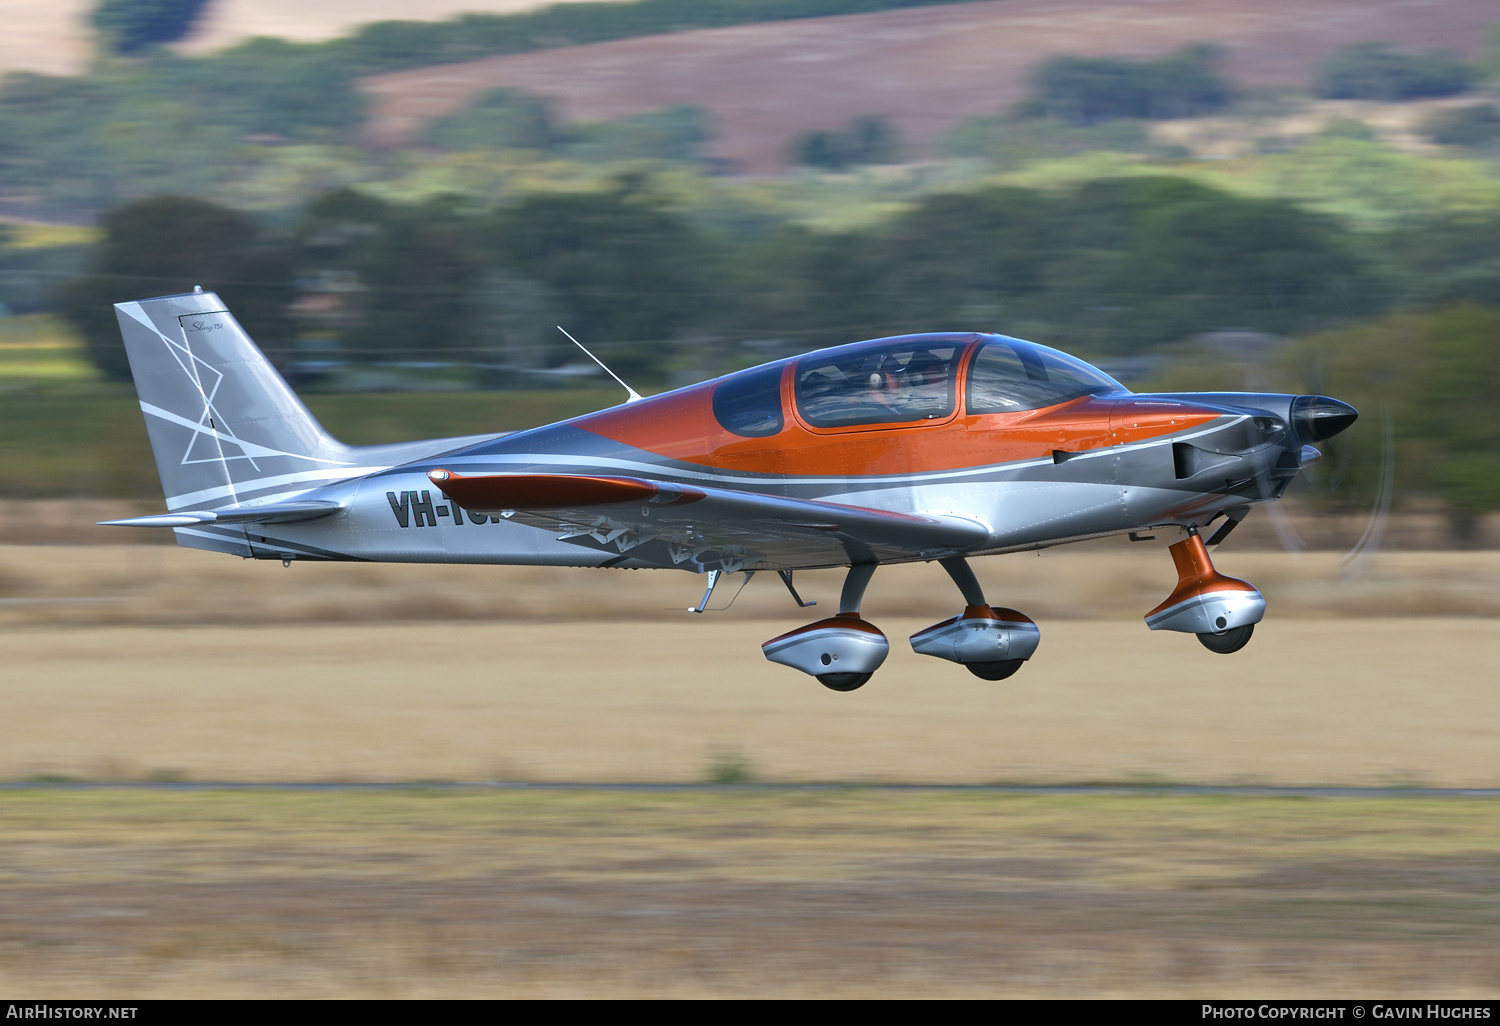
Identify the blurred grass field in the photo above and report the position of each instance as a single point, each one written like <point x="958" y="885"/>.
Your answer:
<point x="745" y="893"/>
<point x="1380" y="702"/>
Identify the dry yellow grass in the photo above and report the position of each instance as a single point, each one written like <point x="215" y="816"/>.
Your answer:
<point x="854" y="893"/>
<point x="1330" y="701"/>
<point x="119" y="664"/>
<point x="1113" y="579"/>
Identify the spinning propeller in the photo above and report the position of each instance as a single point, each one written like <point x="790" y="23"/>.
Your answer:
<point x="1318" y="422"/>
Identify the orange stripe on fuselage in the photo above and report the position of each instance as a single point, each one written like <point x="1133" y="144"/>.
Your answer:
<point x="681" y="426"/>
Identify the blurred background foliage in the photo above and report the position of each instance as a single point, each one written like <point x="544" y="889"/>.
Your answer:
<point x="1087" y="90"/>
<point x="1377" y="71"/>
<point x="1324" y="251"/>
<point x="129" y="26"/>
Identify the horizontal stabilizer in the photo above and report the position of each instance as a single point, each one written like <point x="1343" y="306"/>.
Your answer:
<point x="164" y="520"/>
<point x="271" y="513"/>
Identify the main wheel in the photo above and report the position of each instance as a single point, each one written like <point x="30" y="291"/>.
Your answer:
<point x="1228" y="641"/>
<point x="844" y="681"/>
<point x="997" y="670"/>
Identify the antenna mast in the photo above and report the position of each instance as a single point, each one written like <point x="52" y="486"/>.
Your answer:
<point x="634" y="395"/>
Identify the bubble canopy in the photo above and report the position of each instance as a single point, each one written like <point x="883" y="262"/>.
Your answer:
<point x="906" y="380"/>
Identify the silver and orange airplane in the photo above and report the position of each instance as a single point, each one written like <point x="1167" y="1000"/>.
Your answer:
<point x="935" y="447"/>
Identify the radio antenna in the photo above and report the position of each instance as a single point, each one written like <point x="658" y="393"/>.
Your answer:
<point x="634" y="395"/>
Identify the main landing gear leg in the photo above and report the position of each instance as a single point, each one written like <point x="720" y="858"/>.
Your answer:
<point x="842" y="651"/>
<point x="1222" y="611"/>
<point x="991" y="642"/>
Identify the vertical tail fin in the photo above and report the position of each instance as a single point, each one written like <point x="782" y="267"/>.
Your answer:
<point x="224" y="425"/>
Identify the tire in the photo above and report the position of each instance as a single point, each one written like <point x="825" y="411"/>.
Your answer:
<point x="1228" y="641"/>
<point x="844" y="681"/>
<point x="995" y="671"/>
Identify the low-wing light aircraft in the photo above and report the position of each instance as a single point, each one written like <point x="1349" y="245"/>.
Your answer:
<point x="935" y="447"/>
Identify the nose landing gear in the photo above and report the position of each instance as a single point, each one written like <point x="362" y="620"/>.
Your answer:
<point x="1222" y="611"/>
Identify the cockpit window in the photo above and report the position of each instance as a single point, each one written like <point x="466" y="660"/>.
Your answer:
<point x="888" y="385"/>
<point x="749" y="404"/>
<point x="1013" y="375"/>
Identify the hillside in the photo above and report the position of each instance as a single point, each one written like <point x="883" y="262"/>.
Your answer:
<point x="47" y="36"/>
<point x="53" y="37"/>
<point x="926" y="69"/>
<point x="233" y="21"/>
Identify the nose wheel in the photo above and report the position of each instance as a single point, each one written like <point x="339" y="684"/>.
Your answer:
<point x="1225" y="642"/>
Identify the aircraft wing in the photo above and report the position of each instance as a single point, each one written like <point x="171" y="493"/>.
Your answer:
<point x="705" y="528"/>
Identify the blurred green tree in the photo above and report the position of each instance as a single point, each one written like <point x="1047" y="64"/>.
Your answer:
<point x="1445" y="260"/>
<point x="627" y="273"/>
<point x="1454" y="411"/>
<point x="670" y="134"/>
<point x="1375" y="71"/>
<point x="129" y="26"/>
<point x="498" y="119"/>
<point x="1119" y="265"/>
<point x="1477" y="124"/>
<point x="1086" y="90"/>
<point x="1489" y="58"/>
<point x="1198" y="259"/>
<point x="167" y="245"/>
<point x="1010" y="141"/>
<point x="414" y="266"/>
<point x="972" y="260"/>
<point x="267" y="87"/>
<point x="808" y="290"/>
<point x="1435" y="372"/>
<point x="867" y="140"/>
